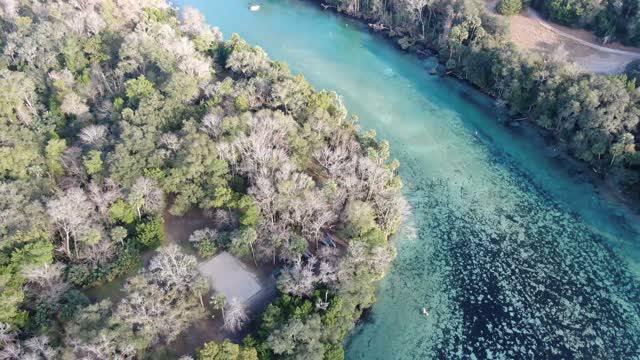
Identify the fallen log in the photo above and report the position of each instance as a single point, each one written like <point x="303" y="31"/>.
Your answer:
<point x="377" y="27"/>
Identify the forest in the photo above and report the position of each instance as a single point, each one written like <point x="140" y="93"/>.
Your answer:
<point x="594" y="117"/>
<point x="114" y="113"/>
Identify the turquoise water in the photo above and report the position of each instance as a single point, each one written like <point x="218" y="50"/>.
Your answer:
<point x="518" y="255"/>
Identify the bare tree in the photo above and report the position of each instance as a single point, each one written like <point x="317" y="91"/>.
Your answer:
<point x="39" y="348"/>
<point x="47" y="281"/>
<point x="171" y="141"/>
<point x="311" y="214"/>
<point x="299" y="279"/>
<point x="212" y="123"/>
<point x="103" y="347"/>
<point x="334" y="161"/>
<point x="103" y="196"/>
<point x="6" y="335"/>
<point x="62" y="78"/>
<point x="391" y="210"/>
<point x="71" y="214"/>
<point x="73" y="167"/>
<point x="9" y="8"/>
<point x="73" y="104"/>
<point x="192" y="21"/>
<point x="11" y="348"/>
<point x="236" y="316"/>
<point x="146" y="194"/>
<point x="174" y="268"/>
<point x="94" y="135"/>
<point x="206" y="234"/>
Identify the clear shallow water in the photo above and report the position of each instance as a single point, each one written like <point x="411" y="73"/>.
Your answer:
<point x="517" y="255"/>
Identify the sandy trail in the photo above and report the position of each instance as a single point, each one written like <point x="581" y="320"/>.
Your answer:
<point x="532" y="33"/>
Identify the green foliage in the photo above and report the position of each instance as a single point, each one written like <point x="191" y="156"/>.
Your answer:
<point x="150" y="232"/>
<point x="127" y="257"/>
<point x="241" y="104"/>
<point x="118" y="104"/>
<point x="10" y="300"/>
<point x="242" y="242"/>
<point x="39" y="252"/>
<point x="93" y="162"/>
<point x="139" y="88"/>
<point x="122" y="212"/>
<point x="161" y="15"/>
<point x="118" y="234"/>
<point x="72" y="302"/>
<point x="281" y="310"/>
<point x="333" y="352"/>
<point x="361" y="224"/>
<point x="79" y="275"/>
<point x="74" y="58"/>
<point x="197" y="174"/>
<point x="41" y="317"/>
<point x="250" y="214"/>
<point x="298" y="244"/>
<point x="509" y="7"/>
<point x="206" y="248"/>
<point x="205" y="241"/>
<point x="632" y="70"/>
<point x="226" y="351"/>
<point x="54" y="150"/>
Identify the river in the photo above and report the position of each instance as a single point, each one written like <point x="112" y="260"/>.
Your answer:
<point x="518" y="254"/>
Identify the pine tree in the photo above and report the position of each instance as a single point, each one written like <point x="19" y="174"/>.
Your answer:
<point x="509" y="7"/>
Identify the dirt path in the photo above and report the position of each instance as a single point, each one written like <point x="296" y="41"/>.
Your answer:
<point x="534" y="15"/>
<point x="532" y="33"/>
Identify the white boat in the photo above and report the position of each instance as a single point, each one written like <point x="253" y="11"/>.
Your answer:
<point x="254" y="7"/>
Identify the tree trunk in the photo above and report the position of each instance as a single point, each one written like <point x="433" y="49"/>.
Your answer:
<point x="253" y="255"/>
<point x="75" y="247"/>
<point x="67" y="244"/>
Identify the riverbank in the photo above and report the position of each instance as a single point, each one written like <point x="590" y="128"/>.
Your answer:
<point x="630" y="196"/>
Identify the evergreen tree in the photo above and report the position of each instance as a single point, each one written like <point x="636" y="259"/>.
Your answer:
<point x="509" y="7"/>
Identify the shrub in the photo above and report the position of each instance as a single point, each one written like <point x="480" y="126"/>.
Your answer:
<point x="72" y="301"/>
<point x="509" y="7"/>
<point x="633" y="71"/>
<point x="126" y="258"/>
<point x="204" y="241"/>
<point x="226" y="351"/>
<point x="79" y="275"/>
<point x="120" y="211"/>
<point x="241" y="104"/>
<point x="42" y="318"/>
<point x="150" y="233"/>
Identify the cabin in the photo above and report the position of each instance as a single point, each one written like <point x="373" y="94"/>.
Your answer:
<point x="229" y="276"/>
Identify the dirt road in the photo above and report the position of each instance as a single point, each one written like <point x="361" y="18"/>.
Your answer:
<point x="532" y="33"/>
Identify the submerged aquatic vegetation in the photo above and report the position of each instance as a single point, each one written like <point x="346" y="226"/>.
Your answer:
<point x="507" y="272"/>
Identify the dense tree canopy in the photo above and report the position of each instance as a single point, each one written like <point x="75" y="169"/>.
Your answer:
<point x="595" y="117"/>
<point x="113" y="111"/>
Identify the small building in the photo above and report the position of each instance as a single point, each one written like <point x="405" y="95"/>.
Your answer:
<point x="230" y="277"/>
